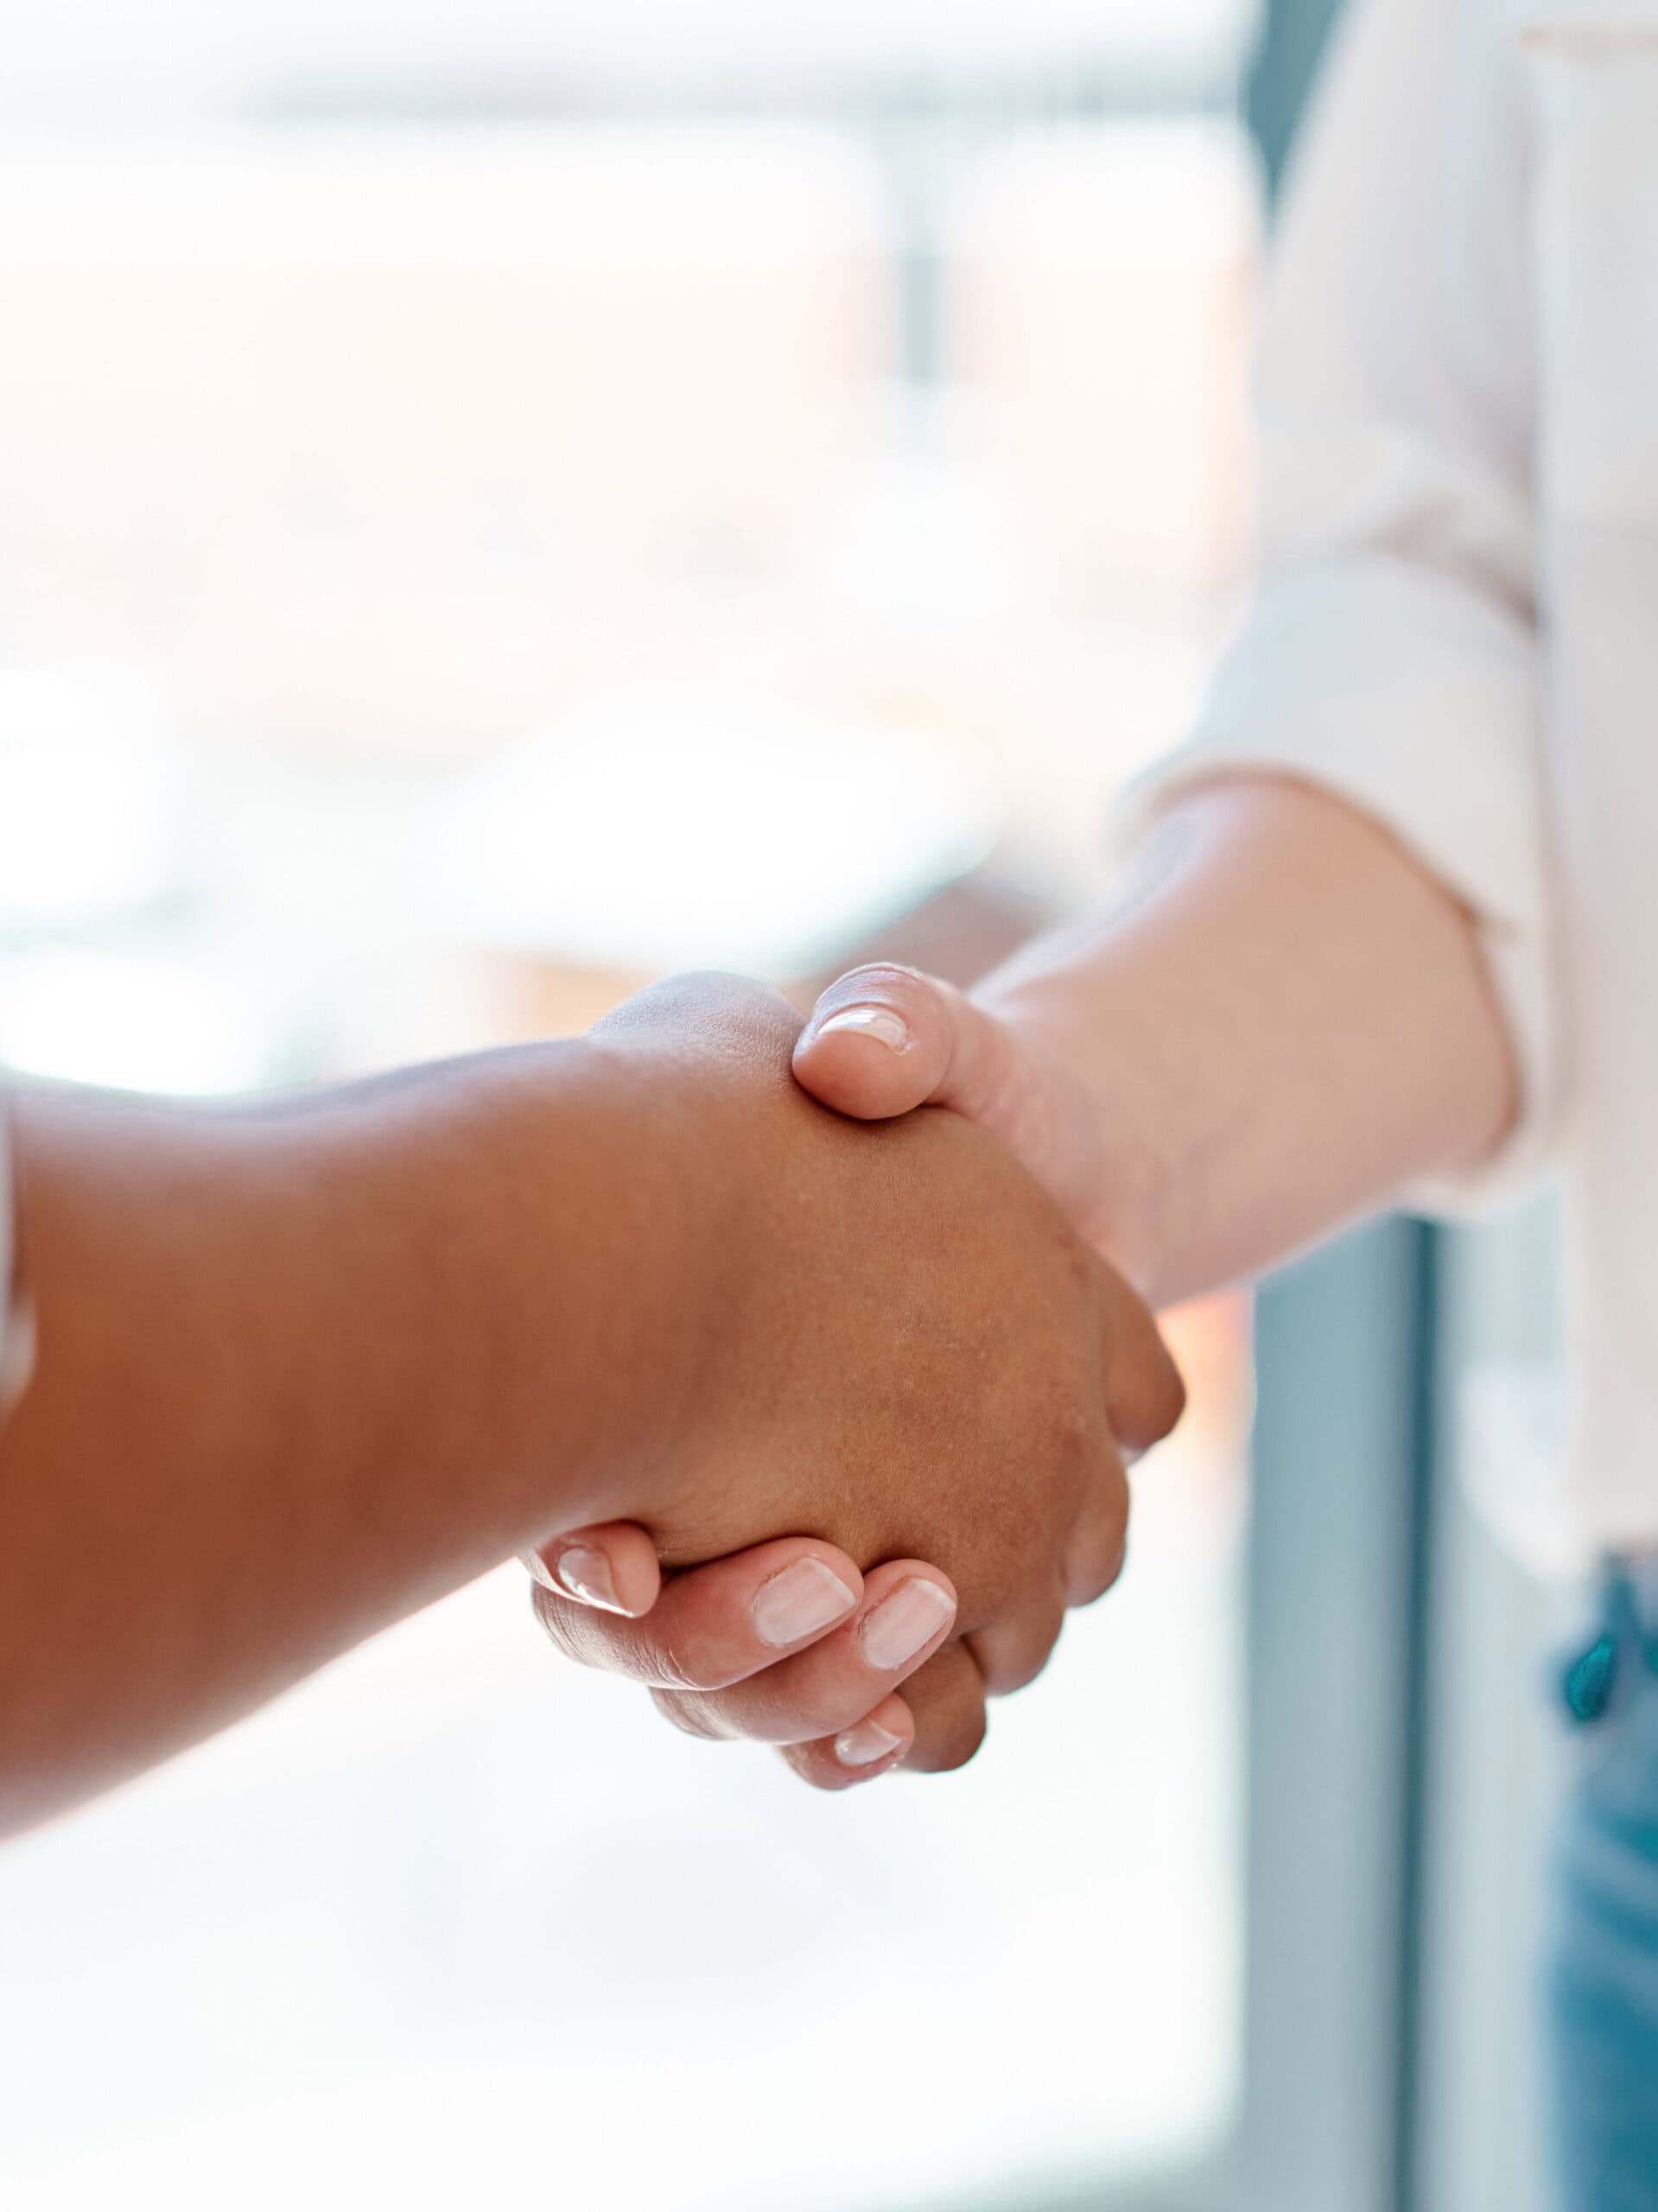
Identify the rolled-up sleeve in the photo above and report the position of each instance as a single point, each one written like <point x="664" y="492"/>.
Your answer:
<point x="1391" y="657"/>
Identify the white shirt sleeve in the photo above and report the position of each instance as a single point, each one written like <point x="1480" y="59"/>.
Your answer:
<point x="1392" y="654"/>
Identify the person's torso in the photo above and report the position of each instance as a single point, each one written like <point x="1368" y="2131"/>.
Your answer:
<point x="1592" y="73"/>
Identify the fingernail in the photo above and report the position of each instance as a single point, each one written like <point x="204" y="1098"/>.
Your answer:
<point x="876" y="1021"/>
<point x="900" y="1624"/>
<point x="585" y="1574"/>
<point x="864" y="1744"/>
<point x="797" y="1603"/>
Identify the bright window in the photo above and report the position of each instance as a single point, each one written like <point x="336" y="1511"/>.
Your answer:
<point x="452" y="569"/>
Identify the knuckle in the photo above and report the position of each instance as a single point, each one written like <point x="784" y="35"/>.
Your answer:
<point x="950" y="1722"/>
<point x="1116" y="1557"/>
<point x="553" y="1617"/>
<point x="1072" y="1430"/>
<point x="678" y="1670"/>
<point x="1172" y="1404"/>
<point x="957" y="1741"/>
<point x="1114" y="1542"/>
<point x="1098" y="1566"/>
<point x="1111" y="1562"/>
<point x="613" y="1646"/>
<point x="805" y="1704"/>
<point x="1006" y="1668"/>
<point x="815" y="1764"/>
<point x="1154" y="1404"/>
<point x="687" y="1713"/>
<point x="1011" y="1659"/>
<point x="1043" y="1649"/>
<point x="823" y="1709"/>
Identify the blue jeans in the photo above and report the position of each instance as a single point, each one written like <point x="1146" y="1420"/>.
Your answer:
<point x="1601" y="2015"/>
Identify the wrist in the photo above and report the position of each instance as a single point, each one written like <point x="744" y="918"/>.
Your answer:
<point x="1120" y="1184"/>
<point x="568" y="1226"/>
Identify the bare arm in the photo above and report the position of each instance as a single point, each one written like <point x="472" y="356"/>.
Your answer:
<point x="1283" y="1021"/>
<point x="285" y="1389"/>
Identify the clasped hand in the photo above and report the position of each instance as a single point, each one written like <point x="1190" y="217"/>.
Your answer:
<point x="905" y="1456"/>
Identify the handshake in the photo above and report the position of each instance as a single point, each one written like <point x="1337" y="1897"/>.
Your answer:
<point x="790" y="1355"/>
<point x="803" y="1361"/>
<point x="880" y="1445"/>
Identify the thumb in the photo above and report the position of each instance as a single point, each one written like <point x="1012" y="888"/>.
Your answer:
<point x="612" y="1568"/>
<point x="884" y="1039"/>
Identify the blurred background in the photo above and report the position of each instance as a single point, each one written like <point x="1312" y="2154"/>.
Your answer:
<point x="499" y="502"/>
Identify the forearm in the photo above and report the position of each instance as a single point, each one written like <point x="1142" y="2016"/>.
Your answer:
<point x="1281" y="1021"/>
<point x="302" y="1371"/>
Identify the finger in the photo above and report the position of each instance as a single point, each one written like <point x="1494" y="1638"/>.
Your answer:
<point x="908" y="1609"/>
<point x="613" y="1566"/>
<point x="871" y="1747"/>
<point x="1099" y="1540"/>
<point x="883" y="1040"/>
<point x="946" y="1702"/>
<point x="941" y="1713"/>
<point x="714" y="1624"/>
<point x="1015" y="1647"/>
<point x="1144" y="1393"/>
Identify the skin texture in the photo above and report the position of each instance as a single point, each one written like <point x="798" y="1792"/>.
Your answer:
<point x="907" y="1327"/>
<point x="304" y="1369"/>
<point x="1280" y="1022"/>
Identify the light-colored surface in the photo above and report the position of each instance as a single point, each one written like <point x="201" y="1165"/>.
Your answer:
<point x="763" y="846"/>
<point x="415" y="435"/>
<point x="370" y="442"/>
<point x="1052" y="236"/>
<point x="426" y="439"/>
<point x="74" y="56"/>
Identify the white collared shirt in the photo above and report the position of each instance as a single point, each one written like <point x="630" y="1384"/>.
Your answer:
<point x="1458" y="628"/>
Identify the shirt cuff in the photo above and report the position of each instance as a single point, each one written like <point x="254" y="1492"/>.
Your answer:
<point x="1413" y="699"/>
